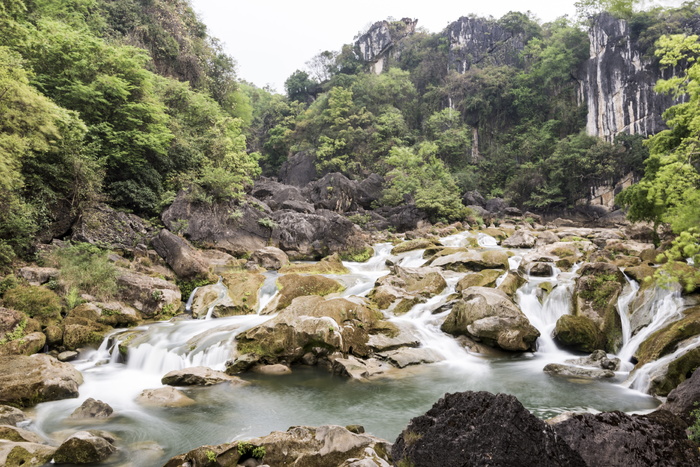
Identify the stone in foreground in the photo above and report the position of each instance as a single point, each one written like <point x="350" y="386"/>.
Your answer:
<point x="28" y="381"/>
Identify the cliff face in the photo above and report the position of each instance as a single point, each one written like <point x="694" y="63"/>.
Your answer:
<point x="376" y="45"/>
<point x="478" y="41"/>
<point x="617" y="83"/>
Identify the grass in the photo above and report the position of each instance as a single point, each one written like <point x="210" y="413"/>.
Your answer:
<point x="87" y="269"/>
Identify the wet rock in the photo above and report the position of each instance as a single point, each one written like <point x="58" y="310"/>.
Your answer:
<point x="276" y="369"/>
<point x="25" y="454"/>
<point x="406" y="287"/>
<point x="668" y="373"/>
<point x="570" y="371"/>
<point x="329" y="265"/>
<point x="415" y="244"/>
<point x="11" y="415"/>
<point x="484" y="278"/>
<point x="38" y="276"/>
<point x="617" y="439"/>
<point x="243" y="291"/>
<point x="395" y="336"/>
<point x="361" y="370"/>
<point x="85" y="447"/>
<point x="92" y="408"/>
<point x="19" y="435"/>
<point x="270" y="258"/>
<point x="328" y="445"/>
<point x="667" y="340"/>
<point x="404" y="357"/>
<point x="80" y="332"/>
<point x="511" y="283"/>
<point x="28" y="381"/>
<point x="684" y="398"/>
<point x="67" y="356"/>
<point x="180" y="255"/>
<point x="520" y="239"/>
<point x="488" y="315"/>
<point x="295" y="285"/>
<point x="578" y="333"/>
<point x="164" y="397"/>
<point x="472" y="260"/>
<point x="199" y="376"/>
<point x="242" y="363"/>
<point x="479" y="428"/>
<point x="540" y="269"/>
<point x="598" y="359"/>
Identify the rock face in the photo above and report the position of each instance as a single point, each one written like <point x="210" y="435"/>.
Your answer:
<point x="479" y="428"/>
<point x="38" y="378"/>
<point x="376" y="45"/>
<point x="617" y="83"/>
<point x="299" y="170"/>
<point x="488" y="315"/>
<point x="617" y="439"/>
<point x="325" y="446"/>
<point x="149" y="295"/>
<point x="336" y="192"/>
<point x="116" y="230"/>
<point x="483" y="42"/>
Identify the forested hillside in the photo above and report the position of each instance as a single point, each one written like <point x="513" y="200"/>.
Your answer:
<point x="129" y="101"/>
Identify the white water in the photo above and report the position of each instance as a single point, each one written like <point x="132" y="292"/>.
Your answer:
<point x="314" y="397"/>
<point x="641" y="379"/>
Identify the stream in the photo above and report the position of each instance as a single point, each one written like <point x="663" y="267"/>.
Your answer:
<point x="311" y="396"/>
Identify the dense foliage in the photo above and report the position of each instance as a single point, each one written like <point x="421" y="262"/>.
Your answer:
<point x="120" y="101"/>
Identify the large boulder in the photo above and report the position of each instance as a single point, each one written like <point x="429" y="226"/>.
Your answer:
<point x="28" y="381"/>
<point x="107" y="227"/>
<point x="149" y="295"/>
<point x="617" y="439"/>
<point x="578" y="333"/>
<point x="236" y="294"/>
<point x="480" y="428"/>
<point x="683" y="400"/>
<point x="294" y="285"/>
<point x="16" y="454"/>
<point x="299" y="170"/>
<point x="180" y="255"/>
<point x="404" y="217"/>
<point x="85" y="447"/>
<point x="280" y="196"/>
<point x="406" y="287"/>
<point x="311" y="324"/>
<point x="328" y="445"/>
<point x="520" y="239"/>
<point x="472" y="260"/>
<point x="270" y="257"/>
<point x="338" y="193"/>
<point x="91" y="409"/>
<point x="312" y="236"/>
<point x="572" y="371"/>
<point x="490" y="316"/>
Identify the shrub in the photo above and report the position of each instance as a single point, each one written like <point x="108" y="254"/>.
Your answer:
<point x="36" y="301"/>
<point x="267" y="222"/>
<point x="86" y="268"/>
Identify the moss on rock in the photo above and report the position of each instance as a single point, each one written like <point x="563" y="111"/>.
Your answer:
<point x="578" y="333"/>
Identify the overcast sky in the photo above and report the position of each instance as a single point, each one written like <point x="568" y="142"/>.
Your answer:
<point x="270" y="39"/>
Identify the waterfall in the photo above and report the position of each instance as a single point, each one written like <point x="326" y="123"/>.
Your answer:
<point x="486" y="241"/>
<point x="623" y="304"/>
<point x="642" y="378"/>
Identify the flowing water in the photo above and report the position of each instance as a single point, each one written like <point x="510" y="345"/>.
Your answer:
<point x="310" y="396"/>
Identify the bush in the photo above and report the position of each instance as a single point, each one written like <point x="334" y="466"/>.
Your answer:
<point x="36" y="301"/>
<point x="85" y="267"/>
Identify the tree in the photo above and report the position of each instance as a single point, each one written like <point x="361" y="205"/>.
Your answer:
<point x="300" y="87"/>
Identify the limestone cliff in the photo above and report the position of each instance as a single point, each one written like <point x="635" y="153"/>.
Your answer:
<point x="376" y="46"/>
<point x="617" y="83"/>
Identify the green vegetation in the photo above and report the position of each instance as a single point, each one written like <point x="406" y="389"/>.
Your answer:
<point x="86" y="269"/>
<point x="17" y="332"/>
<point x="36" y="301"/>
<point x="694" y="430"/>
<point x="599" y="289"/>
<point x="247" y="449"/>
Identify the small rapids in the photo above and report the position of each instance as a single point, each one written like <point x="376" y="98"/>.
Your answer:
<point x="131" y="360"/>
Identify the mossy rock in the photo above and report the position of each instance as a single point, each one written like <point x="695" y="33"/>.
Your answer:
<point x="578" y="333"/>
<point x="484" y="278"/>
<point x="80" y="335"/>
<point x="294" y="285"/>
<point x="666" y="340"/>
<point x="243" y="288"/>
<point x="677" y="371"/>
<point x="37" y="302"/>
<point x="415" y="244"/>
<point x="511" y="283"/>
<point x="328" y="265"/>
<point x="357" y="256"/>
<point x="546" y="286"/>
<point x="498" y="234"/>
<point x="640" y="274"/>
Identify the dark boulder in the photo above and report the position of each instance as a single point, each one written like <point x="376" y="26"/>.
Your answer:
<point x="299" y="170"/>
<point x="180" y="255"/>
<point x="85" y="447"/>
<point x="104" y="226"/>
<point x="480" y="428"/>
<point x="682" y="400"/>
<point x="280" y="196"/>
<point x="404" y="217"/>
<point x="495" y="205"/>
<point x="473" y="198"/>
<point x="370" y="190"/>
<point x="617" y="439"/>
<point x="338" y="193"/>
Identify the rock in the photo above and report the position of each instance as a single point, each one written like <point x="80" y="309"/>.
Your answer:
<point x="405" y="287"/>
<point x="180" y="255"/>
<point x="149" y="295"/>
<point x="27" y="345"/>
<point x="276" y="369"/>
<point x="243" y="293"/>
<point x="270" y="258"/>
<point x="312" y="236"/>
<point x="472" y="260"/>
<point x="473" y="198"/>
<point x="479" y="428"/>
<point x="666" y="340"/>
<point x="488" y="315"/>
<point x="80" y="332"/>
<point x="164" y="397"/>
<point x="395" y="336"/>
<point x="28" y="381"/>
<point x="684" y="398"/>
<point x="578" y="333"/>
<point x="199" y="376"/>
<point x="511" y="283"/>
<point x="25" y="454"/>
<point x="669" y="373"/>
<point x="107" y="227"/>
<point x="54" y="335"/>
<point x="295" y="285"/>
<point x="38" y="276"/>
<point x="495" y="205"/>
<point x="521" y="239"/>
<point x="415" y="244"/>
<point x="540" y="269"/>
<point x="617" y="439"/>
<point x="570" y="371"/>
<point x="361" y="370"/>
<point x="84" y="447"/>
<point x="11" y="415"/>
<point x="67" y="356"/>
<point x="328" y="445"/>
<point x="328" y="265"/>
<point x="484" y="278"/>
<point x="117" y="314"/>
<point x="18" y="435"/>
<point x="598" y="359"/>
<point x="338" y="193"/>
<point x="280" y="196"/>
<point x="311" y="324"/>
<point x="546" y="237"/>
<point x="403" y="217"/>
<point x="299" y="169"/>
<point x="411" y="356"/>
<point x="92" y="408"/>
<point x="242" y="363"/>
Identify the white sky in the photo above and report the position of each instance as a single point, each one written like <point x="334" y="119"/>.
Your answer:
<point x="270" y="39"/>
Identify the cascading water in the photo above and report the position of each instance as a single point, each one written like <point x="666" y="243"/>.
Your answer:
<point x="312" y="396"/>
